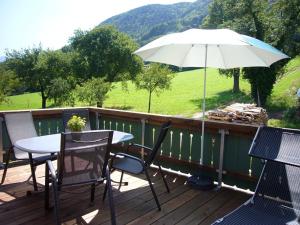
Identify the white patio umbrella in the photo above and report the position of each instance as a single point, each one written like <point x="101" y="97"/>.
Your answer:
<point x="220" y="48"/>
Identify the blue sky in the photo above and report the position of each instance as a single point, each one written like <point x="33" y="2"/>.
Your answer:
<point x="28" y="23"/>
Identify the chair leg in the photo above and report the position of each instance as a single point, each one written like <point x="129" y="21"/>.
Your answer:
<point x="32" y="167"/>
<point x="152" y="189"/>
<point x="105" y="191"/>
<point x="111" y="202"/>
<point x="163" y="177"/>
<point x="6" y="165"/>
<point x="93" y="186"/>
<point x="120" y="184"/>
<point x="56" y="202"/>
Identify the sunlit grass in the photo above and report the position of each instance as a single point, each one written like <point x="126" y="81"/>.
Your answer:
<point x="185" y="96"/>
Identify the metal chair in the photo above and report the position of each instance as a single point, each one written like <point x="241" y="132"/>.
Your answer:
<point x="277" y="196"/>
<point x="81" y="162"/>
<point x="20" y="126"/>
<point x="131" y="164"/>
<point x="83" y="113"/>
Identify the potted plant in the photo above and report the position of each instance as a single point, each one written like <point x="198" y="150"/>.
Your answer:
<point x="75" y="125"/>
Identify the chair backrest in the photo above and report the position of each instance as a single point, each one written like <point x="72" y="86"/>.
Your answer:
<point x="19" y="126"/>
<point x="162" y="134"/>
<point x="83" y="113"/>
<point x="85" y="158"/>
<point x="280" y="181"/>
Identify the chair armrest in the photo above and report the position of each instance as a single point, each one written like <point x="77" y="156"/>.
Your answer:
<point x="52" y="170"/>
<point x="148" y="149"/>
<point x="128" y="156"/>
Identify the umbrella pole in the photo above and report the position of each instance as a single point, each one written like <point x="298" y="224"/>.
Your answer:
<point x="203" y="107"/>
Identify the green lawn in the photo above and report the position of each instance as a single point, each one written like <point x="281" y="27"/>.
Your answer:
<point x="185" y="96"/>
<point x="25" y="101"/>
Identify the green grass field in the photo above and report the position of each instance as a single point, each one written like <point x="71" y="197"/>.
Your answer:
<point x="185" y="96"/>
<point x="25" y="101"/>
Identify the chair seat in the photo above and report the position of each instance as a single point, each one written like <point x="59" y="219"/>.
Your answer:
<point x="127" y="164"/>
<point x="263" y="212"/>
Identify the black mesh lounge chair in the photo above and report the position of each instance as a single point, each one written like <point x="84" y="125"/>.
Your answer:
<point x="131" y="164"/>
<point x="276" y="199"/>
<point x="81" y="162"/>
<point x="83" y="113"/>
<point x="20" y="126"/>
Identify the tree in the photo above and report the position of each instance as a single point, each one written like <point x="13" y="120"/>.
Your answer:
<point x="273" y="22"/>
<point x="93" y="91"/>
<point x="235" y="73"/>
<point x="8" y="83"/>
<point x="61" y="91"/>
<point x="105" y="52"/>
<point x="154" y="78"/>
<point x="37" y="68"/>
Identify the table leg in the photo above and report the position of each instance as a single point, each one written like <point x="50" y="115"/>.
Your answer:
<point x="32" y="172"/>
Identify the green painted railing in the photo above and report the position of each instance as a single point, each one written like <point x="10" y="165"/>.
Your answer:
<point x="181" y="148"/>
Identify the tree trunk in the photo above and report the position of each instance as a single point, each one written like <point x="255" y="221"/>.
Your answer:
<point x="99" y="104"/>
<point x="44" y="99"/>
<point x="44" y="102"/>
<point x="149" y="103"/>
<point x="236" y="80"/>
<point x="258" y="98"/>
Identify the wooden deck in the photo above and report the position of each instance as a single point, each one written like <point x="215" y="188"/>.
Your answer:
<point x="134" y="203"/>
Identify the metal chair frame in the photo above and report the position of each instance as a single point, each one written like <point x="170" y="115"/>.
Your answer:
<point x="144" y="164"/>
<point x="56" y="177"/>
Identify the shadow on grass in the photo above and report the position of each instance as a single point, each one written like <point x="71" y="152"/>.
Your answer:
<point x="124" y="107"/>
<point x="222" y="99"/>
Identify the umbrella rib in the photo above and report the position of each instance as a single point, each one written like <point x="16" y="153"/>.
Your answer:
<point x="187" y="52"/>
<point x="155" y="52"/>
<point x="260" y="58"/>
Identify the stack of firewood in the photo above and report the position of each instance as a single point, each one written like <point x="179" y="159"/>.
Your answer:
<point x="240" y="113"/>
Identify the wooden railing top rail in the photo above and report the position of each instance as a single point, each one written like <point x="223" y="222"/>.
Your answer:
<point x="186" y="123"/>
<point x="180" y="122"/>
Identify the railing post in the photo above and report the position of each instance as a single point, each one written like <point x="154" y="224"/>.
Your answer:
<point x="1" y="142"/>
<point x="143" y="121"/>
<point x="97" y="120"/>
<point x="220" y="172"/>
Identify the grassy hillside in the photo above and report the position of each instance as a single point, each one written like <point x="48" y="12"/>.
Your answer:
<point x="284" y="89"/>
<point x="283" y="101"/>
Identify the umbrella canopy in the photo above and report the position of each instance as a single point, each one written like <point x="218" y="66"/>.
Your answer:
<point x="220" y="48"/>
<point x="226" y="49"/>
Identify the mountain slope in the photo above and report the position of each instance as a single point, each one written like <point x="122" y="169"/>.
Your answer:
<point x="149" y="22"/>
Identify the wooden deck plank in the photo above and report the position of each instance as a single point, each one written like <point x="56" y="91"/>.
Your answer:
<point x="205" y="210"/>
<point x="233" y="203"/>
<point x="138" y="207"/>
<point x="134" y="203"/>
<point x="181" y="212"/>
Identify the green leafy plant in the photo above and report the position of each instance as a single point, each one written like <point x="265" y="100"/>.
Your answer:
<point x="76" y="123"/>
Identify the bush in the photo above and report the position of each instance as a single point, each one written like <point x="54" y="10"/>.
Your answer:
<point x="76" y="123"/>
<point x="290" y="114"/>
<point x="93" y="91"/>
